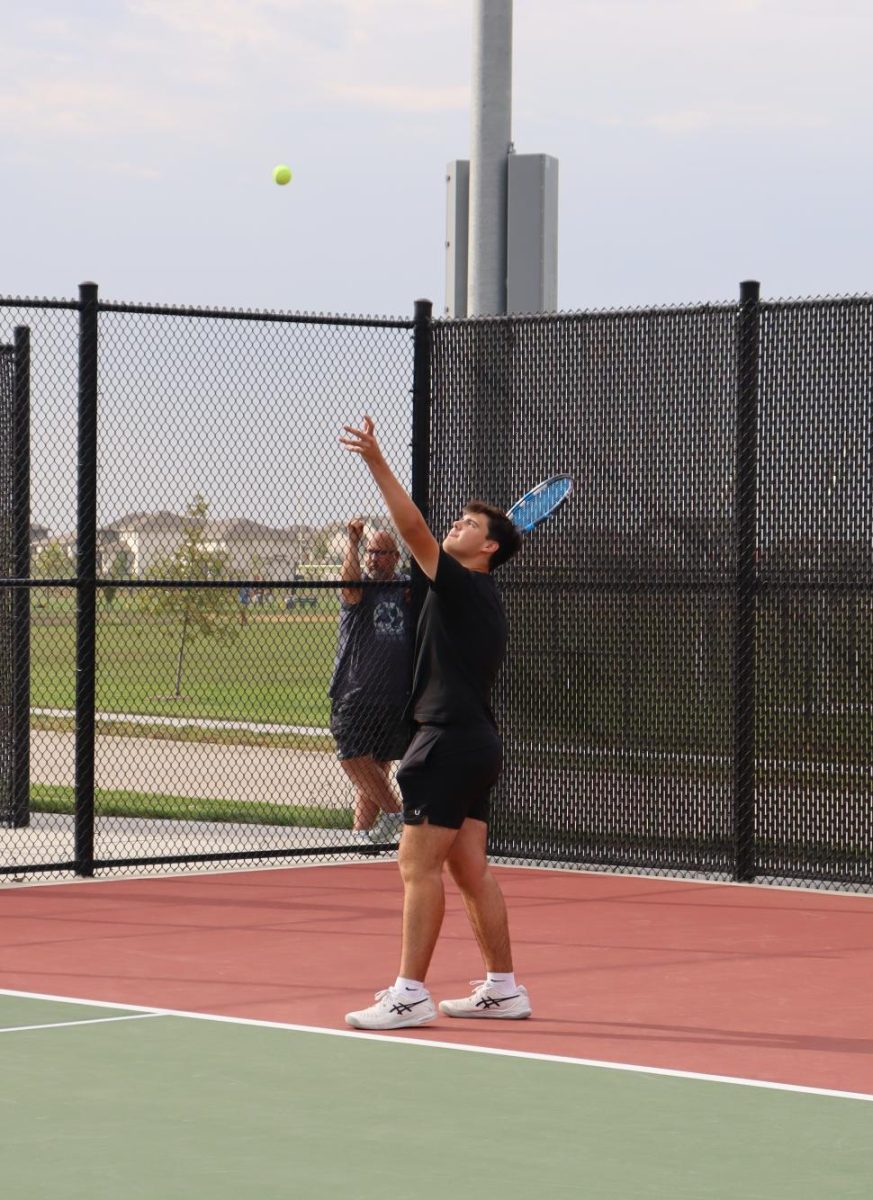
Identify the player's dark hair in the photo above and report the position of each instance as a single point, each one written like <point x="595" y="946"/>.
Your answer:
<point x="500" y="530"/>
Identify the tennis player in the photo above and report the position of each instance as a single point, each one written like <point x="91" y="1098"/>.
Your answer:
<point x="454" y="757"/>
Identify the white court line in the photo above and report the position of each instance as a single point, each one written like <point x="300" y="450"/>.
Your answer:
<point x="90" y="1021"/>
<point x="737" y="1080"/>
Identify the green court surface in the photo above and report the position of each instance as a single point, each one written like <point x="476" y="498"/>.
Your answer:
<point x="159" y="1107"/>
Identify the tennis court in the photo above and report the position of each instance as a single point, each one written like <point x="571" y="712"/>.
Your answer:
<point x="689" y="695"/>
<point x="184" y="1036"/>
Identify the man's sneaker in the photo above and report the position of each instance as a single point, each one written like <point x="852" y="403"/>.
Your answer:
<point x="392" y="1011"/>
<point x="484" y="1003"/>
<point x="387" y="828"/>
<point x="360" y="837"/>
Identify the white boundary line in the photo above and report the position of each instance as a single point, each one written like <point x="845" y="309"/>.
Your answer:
<point x="90" y="1021"/>
<point x="738" y="1081"/>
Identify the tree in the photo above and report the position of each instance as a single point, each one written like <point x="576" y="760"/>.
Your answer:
<point x="200" y="612"/>
<point x="53" y="562"/>
<point x="120" y="569"/>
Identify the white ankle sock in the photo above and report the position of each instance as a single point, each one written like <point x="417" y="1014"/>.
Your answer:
<point x="408" y="987"/>
<point x="502" y="983"/>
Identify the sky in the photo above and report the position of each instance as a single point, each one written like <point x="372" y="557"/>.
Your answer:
<point x="700" y="142"/>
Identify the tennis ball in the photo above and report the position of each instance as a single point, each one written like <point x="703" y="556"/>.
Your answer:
<point x="282" y="174"/>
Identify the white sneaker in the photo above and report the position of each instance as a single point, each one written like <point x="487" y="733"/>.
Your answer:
<point x="360" y="836"/>
<point x="391" y="1011"/>
<point x="483" y="1003"/>
<point x="387" y="827"/>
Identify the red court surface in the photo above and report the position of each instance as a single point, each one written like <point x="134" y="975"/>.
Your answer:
<point x="753" y="982"/>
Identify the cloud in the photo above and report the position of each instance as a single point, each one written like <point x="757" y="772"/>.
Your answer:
<point x="51" y="27"/>
<point x="697" y="120"/>
<point x="405" y="99"/>
<point x="70" y="108"/>
<point x="235" y="26"/>
<point x="227" y="22"/>
<point x="180" y="70"/>
<point x="681" y="65"/>
<point x="170" y="71"/>
<point x="135" y="171"/>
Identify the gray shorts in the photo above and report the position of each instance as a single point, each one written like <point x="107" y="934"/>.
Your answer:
<point x="366" y="730"/>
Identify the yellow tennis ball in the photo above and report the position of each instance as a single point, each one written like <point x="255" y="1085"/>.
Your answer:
<point x="282" y="174"/>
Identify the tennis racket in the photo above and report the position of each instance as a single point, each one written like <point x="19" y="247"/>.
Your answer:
<point x="541" y="502"/>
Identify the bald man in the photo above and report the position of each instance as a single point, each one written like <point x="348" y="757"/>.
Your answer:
<point x="372" y="679"/>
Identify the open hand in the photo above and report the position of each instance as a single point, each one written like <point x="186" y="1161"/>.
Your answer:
<point x="363" y="441"/>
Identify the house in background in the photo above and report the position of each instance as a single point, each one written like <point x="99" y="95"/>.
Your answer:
<point x="334" y="537"/>
<point x="248" y="548"/>
<point x="251" y="550"/>
<point x="39" y="539"/>
<point x="131" y="546"/>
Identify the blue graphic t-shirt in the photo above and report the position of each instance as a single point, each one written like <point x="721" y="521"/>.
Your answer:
<point x="374" y="652"/>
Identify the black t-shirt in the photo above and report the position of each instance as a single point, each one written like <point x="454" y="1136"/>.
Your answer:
<point x="459" y="646"/>
<point x="374" y="654"/>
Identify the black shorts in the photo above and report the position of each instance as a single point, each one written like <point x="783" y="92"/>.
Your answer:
<point x="447" y="773"/>
<point x="366" y="730"/>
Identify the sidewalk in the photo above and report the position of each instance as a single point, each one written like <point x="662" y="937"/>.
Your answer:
<point x="186" y="722"/>
<point x="50" y="837"/>
<point x="199" y="770"/>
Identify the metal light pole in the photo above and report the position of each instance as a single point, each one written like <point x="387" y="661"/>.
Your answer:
<point x="490" y="139"/>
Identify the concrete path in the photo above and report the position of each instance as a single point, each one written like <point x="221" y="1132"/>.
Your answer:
<point x="197" y="769"/>
<point x="187" y="722"/>
<point x="50" y="838"/>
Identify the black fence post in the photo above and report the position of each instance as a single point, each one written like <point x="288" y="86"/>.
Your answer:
<point x="745" y="600"/>
<point x="86" y="579"/>
<point x="20" y="789"/>
<point x="421" y="400"/>
<point x="7" y="610"/>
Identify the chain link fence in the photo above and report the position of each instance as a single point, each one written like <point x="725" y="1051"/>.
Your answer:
<point x="689" y="686"/>
<point x="187" y="480"/>
<point x="616" y="698"/>
<point x="815" y="619"/>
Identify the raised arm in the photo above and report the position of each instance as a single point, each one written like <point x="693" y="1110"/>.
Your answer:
<point x="351" y="568"/>
<point x="409" y="522"/>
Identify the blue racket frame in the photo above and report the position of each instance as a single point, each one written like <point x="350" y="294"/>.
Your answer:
<point x="541" y="502"/>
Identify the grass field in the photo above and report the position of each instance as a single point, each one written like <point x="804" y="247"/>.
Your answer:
<point x="274" y="669"/>
<point x="646" y="692"/>
<point x="119" y="803"/>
